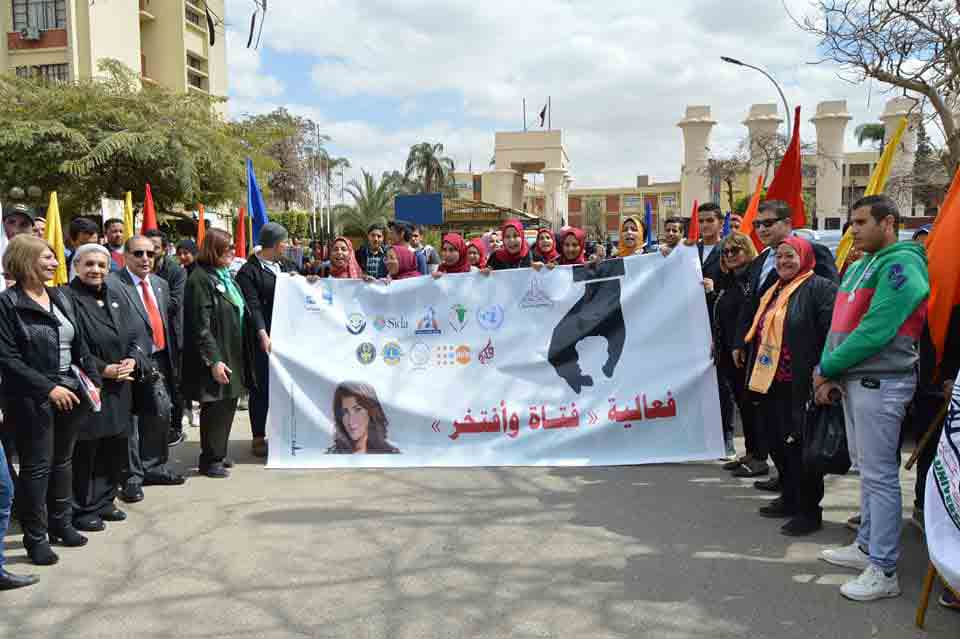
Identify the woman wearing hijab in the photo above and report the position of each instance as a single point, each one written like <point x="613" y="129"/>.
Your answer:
<point x="573" y="244"/>
<point x="545" y="249"/>
<point x="343" y="261"/>
<point x="215" y="362"/>
<point x="477" y="253"/>
<point x="631" y="236"/>
<point x="104" y="315"/>
<point x="453" y="256"/>
<point x="401" y="263"/>
<point x="515" y="252"/>
<point x="786" y="340"/>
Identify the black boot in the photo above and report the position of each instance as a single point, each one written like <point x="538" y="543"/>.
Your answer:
<point x="41" y="553"/>
<point x="9" y="581"/>
<point x="67" y="536"/>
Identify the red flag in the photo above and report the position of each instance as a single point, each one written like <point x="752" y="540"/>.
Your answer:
<point x="149" y="212"/>
<point x="693" y="231"/>
<point x="787" y="184"/>
<point x="943" y="264"/>
<point x="746" y="226"/>
<point x="241" y="234"/>
<point x="201" y="227"/>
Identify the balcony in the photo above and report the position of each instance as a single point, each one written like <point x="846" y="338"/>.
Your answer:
<point x="145" y="14"/>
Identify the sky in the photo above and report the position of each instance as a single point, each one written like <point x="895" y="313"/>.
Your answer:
<point x="381" y="75"/>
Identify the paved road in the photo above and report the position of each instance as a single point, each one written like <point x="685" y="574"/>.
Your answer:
<point x="655" y="551"/>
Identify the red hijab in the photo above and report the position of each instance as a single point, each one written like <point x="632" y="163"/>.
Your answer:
<point x="352" y="270"/>
<point x="581" y="239"/>
<point x="462" y="265"/>
<point x="503" y="255"/>
<point x="481" y="247"/>
<point x="408" y="262"/>
<point x="554" y="254"/>
<point x="804" y="249"/>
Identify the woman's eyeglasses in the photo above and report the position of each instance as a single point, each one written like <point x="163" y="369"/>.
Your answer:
<point x="732" y="252"/>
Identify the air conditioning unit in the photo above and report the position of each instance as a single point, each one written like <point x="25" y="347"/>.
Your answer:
<point x="30" y="33"/>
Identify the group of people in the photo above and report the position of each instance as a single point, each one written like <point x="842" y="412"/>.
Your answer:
<point x="95" y="375"/>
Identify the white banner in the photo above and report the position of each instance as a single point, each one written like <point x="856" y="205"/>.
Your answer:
<point x="941" y="516"/>
<point x="569" y="367"/>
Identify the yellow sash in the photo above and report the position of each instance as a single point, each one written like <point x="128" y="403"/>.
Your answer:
<point x="771" y="337"/>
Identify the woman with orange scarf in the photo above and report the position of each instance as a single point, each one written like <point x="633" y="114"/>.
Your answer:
<point x="786" y="340"/>
<point x="631" y="237"/>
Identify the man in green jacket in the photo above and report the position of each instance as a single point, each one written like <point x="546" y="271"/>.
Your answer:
<point x="870" y="356"/>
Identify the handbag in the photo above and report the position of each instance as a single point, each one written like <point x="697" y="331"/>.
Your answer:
<point x="150" y="395"/>
<point x="825" y="449"/>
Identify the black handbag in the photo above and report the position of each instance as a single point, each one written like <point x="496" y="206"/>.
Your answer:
<point x="825" y="449"/>
<point x="150" y="395"/>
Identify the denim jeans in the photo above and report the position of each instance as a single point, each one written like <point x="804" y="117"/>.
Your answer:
<point x="875" y="416"/>
<point x="6" y="499"/>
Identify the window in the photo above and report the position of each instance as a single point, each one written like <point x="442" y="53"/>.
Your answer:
<point x="859" y="170"/>
<point x="196" y="63"/>
<point x="46" y="72"/>
<point x="39" y="14"/>
<point x="194" y="18"/>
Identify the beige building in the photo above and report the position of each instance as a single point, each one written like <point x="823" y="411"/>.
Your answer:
<point x="165" y="40"/>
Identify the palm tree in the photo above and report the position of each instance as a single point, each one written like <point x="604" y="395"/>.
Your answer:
<point x="427" y="164"/>
<point x="874" y="133"/>
<point x="372" y="203"/>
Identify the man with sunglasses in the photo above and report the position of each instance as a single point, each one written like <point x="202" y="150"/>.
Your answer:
<point x="150" y="296"/>
<point x="773" y="225"/>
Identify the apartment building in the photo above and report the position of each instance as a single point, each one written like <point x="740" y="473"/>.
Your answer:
<point x="166" y="41"/>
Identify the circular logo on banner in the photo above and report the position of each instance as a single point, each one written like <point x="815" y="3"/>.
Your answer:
<point x="366" y="353"/>
<point x="490" y="318"/>
<point x="380" y="322"/>
<point x="356" y="322"/>
<point x="392" y="353"/>
<point x="420" y="355"/>
<point x="463" y="354"/>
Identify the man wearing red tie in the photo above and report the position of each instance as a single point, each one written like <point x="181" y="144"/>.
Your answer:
<point x="150" y="296"/>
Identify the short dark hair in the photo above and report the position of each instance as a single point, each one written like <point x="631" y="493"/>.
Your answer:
<point x="83" y="225"/>
<point x="111" y="222"/>
<point x="675" y="220"/>
<point x="376" y="226"/>
<point x="881" y="207"/>
<point x="156" y="233"/>
<point x="711" y="208"/>
<point x="403" y="228"/>
<point x="778" y="207"/>
<point x="132" y="239"/>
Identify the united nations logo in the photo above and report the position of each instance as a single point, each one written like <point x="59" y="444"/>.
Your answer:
<point x="366" y="353"/>
<point x="356" y="322"/>
<point x="392" y="353"/>
<point x="490" y="318"/>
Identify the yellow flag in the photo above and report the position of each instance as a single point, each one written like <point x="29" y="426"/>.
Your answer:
<point x="878" y="181"/>
<point x="54" y="237"/>
<point x="128" y="217"/>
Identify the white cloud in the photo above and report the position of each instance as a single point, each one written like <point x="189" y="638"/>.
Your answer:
<point x="620" y="75"/>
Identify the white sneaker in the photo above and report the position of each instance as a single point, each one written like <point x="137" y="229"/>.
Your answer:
<point x="848" y="556"/>
<point x="871" y="585"/>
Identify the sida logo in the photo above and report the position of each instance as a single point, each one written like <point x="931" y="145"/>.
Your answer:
<point x="356" y="322"/>
<point x="463" y="354"/>
<point x="487" y="354"/>
<point x="392" y="353"/>
<point x="459" y="316"/>
<point x="490" y="318"/>
<point x="388" y="322"/>
<point x="420" y="356"/>
<point x="366" y="353"/>
<point x="428" y="324"/>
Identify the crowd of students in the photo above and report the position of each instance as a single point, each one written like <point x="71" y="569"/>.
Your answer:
<point x="137" y="323"/>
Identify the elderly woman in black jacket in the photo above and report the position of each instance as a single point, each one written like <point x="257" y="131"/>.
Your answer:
<point x="786" y="340"/>
<point x="99" y="460"/>
<point x="42" y="350"/>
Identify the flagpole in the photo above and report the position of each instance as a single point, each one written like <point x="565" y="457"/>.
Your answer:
<point x="524" y="115"/>
<point x="549" y="113"/>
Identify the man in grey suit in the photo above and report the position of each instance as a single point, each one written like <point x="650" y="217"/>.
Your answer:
<point x="150" y="296"/>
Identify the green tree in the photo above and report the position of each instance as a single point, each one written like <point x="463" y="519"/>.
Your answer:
<point x="593" y="218"/>
<point x="874" y="133"/>
<point x="372" y="202"/>
<point x="427" y="165"/>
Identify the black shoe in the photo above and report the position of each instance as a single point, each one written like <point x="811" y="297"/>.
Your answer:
<point x="12" y="582"/>
<point x="215" y="470"/>
<point x="113" y="514"/>
<point x="170" y="479"/>
<point x="777" y="509"/>
<point x="801" y="526"/>
<point x="176" y="437"/>
<point x="752" y="468"/>
<point x="42" y="554"/>
<point x="89" y="523"/>
<point x="68" y="536"/>
<point x="227" y="462"/>
<point x="131" y="493"/>
<point x="771" y="485"/>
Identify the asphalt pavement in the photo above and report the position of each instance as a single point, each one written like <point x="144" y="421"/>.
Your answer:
<point x="665" y="551"/>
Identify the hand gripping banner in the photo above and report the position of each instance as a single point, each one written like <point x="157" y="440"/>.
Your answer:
<point x="575" y="366"/>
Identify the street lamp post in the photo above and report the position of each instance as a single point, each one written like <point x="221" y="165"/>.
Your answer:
<point x="786" y="106"/>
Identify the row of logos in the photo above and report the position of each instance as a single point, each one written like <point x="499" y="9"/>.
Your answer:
<point x="422" y="356"/>
<point x="489" y="318"/>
